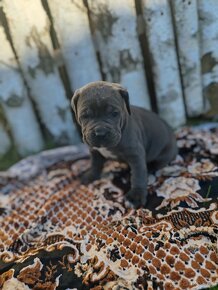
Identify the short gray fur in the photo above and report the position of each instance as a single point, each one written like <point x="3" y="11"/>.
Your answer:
<point x="132" y="134"/>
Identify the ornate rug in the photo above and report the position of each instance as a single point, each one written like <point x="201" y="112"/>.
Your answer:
<point x="58" y="234"/>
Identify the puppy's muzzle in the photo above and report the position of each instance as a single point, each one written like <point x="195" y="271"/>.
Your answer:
<point x="100" y="132"/>
<point x="102" y="136"/>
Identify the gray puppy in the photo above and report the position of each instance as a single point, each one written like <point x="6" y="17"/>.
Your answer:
<point x="114" y="129"/>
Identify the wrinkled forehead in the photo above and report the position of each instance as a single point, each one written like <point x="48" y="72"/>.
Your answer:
<point x="100" y="98"/>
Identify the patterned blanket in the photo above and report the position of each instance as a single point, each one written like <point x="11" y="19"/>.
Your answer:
<point x="58" y="234"/>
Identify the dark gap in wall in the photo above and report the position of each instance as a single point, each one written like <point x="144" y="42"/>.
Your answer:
<point x="200" y="41"/>
<point x="66" y="81"/>
<point x="61" y="68"/>
<point x="177" y="54"/>
<point x="56" y="45"/>
<point x="92" y="29"/>
<point x="53" y="35"/>
<point x="4" y="123"/>
<point x="3" y="120"/>
<point x="147" y="57"/>
<point x="4" y="24"/>
<point x="103" y="75"/>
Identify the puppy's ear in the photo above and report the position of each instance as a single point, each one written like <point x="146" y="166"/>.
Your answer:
<point x="124" y="94"/>
<point x="74" y="101"/>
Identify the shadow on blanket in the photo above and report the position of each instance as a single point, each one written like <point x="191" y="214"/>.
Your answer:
<point x="57" y="234"/>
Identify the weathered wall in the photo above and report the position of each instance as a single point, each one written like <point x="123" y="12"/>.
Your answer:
<point x="15" y="102"/>
<point x="164" y="52"/>
<point x="208" y="16"/>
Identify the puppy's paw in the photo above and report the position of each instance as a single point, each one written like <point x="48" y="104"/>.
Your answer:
<point x="88" y="177"/>
<point x="137" y="197"/>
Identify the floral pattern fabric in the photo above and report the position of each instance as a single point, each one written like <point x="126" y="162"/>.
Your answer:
<point x="58" y="234"/>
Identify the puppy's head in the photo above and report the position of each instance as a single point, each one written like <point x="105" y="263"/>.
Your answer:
<point x="101" y="109"/>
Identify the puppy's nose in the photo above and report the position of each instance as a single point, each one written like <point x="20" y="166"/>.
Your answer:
<point x="100" y="132"/>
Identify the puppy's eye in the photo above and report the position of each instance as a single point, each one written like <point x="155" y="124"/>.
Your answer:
<point x="114" y="114"/>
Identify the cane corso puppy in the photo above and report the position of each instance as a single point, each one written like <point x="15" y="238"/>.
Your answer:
<point x="114" y="129"/>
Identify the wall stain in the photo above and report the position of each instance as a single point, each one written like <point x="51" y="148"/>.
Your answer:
<point x="115" y="73"/>
<point x="46" y="63"/>
<point x="208" y="62"/>
<point x="4" y="25"/>
<point x="170" y="42"/>
<point x="62" y="113"/>
<point x="206" y="17"/>
<point x="79" y="5"/>
<point x="63" y="139"/>
<point x="211" y="93"/>
<point x="1" y="17"/>
<point x="170" y="96"/>
<point x="14" y="101"/>
<point x="127" y="61"/>
<point x="103" y="21"/>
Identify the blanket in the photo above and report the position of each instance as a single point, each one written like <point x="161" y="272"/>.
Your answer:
<point x="58" y="234"/>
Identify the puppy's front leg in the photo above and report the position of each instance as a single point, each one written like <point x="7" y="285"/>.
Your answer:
<point x="137" y="195"/>
<point x="94" y="172"/>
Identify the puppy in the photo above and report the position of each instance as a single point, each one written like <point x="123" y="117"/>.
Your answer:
<point x="114" y="129"/>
